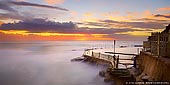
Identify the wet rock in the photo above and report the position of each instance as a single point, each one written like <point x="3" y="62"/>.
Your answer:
<point x="78" y="59"/>
<point x="107" y="78"/>
<point x="74" y="50"/>
<point x="102" y="73"/>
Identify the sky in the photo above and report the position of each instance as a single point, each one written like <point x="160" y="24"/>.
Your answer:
<point x="82" y="19"/>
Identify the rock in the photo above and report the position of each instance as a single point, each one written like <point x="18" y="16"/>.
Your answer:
<point x="107" y="79"/>
<point x="102" y="73"/>
<point x="133" y="71"/>
<point x="77" y="59"/>
<point x="145" y="78"/>
<point x="73" y="50"/>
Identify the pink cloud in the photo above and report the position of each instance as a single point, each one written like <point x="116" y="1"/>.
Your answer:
<point x="54" y="1"/>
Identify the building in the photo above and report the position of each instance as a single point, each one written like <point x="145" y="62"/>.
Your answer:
<point x="159" y="43"/>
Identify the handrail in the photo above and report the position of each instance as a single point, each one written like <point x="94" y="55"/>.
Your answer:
<point x="112" y="59"/>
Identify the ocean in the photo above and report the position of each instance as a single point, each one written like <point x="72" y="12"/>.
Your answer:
<point x="48" y="62"/>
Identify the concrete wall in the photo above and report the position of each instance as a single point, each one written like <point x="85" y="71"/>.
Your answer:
<point x="156" y="69"/>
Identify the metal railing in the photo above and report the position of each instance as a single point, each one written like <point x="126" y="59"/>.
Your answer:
<point x="114" y="60"/>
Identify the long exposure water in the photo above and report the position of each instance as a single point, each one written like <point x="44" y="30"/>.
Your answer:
<point x="48" y="62"/>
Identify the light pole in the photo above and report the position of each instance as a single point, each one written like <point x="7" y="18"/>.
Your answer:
<point x="114" y="43"/>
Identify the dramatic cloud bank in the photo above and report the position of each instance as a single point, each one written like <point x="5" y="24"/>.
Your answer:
<point x="43" y="25"/>
<point x="34" y="26"/>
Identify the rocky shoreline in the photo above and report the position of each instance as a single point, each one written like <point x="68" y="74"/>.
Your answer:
<point x="117" y="76"/>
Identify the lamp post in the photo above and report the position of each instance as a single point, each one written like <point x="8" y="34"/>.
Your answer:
<point x="114" y="43"/>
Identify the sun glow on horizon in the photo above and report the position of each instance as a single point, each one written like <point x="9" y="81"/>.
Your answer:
<point x="26" y="35"/>
<point x="20" y="32"/>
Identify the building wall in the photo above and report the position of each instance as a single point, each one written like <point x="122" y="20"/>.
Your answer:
<point x="152" y="44"/>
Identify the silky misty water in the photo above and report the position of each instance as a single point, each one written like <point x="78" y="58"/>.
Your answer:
<point x="48" y="62"/>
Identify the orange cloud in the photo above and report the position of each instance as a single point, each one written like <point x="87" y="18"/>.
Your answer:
<point x="141" y="33"/>
<point x="147" y="13"/>
<point x="88" y="14"/>
<point x="73" y="13"/>
<point x="54" y="1"/>
<point x="164" y="9"/>
<point x="132" y="14"/>
<point x="1" y="23"/>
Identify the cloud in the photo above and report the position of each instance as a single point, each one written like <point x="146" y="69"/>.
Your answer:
<point x="12" y="15"/>
<point x="22" y="3"/>
<point x="38" y="26"/>
<point x="10" y="12"/>
<point x="138" y="28"/>
<point x="44" y="25"/>
<point x="88" y="14"/>
<point x="1" y="23"/>
<point x="163" y="9"/>
<point x="153" y="25"/>
<point x="124" y="24"/>
<point x="160" y="15"/>
<point x="150" y="20"/>
<point x="4" y="6"/>
<point x="54" y="1"/>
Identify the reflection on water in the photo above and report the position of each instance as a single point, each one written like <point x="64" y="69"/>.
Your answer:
<point x="47" y="63"/>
